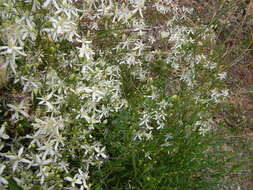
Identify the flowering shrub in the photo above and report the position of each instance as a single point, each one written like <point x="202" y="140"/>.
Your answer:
<point x="103" y="94"/>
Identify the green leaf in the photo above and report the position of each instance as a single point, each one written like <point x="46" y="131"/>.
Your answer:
<point x="236" y="167"/>
<point x="13" y="185"/>
<point x="98" y="188"/>
<point x="105" y="32"/>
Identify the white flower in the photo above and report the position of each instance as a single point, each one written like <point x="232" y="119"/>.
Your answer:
<point x="48" y="2"/>
<point x="29" y="84"/>
<point x="62" y="27"/>
<point x="139" y="5"/>
<point x="204" y="126"/>
<point x="203" y="130"/>
<point x="43" y="173"/>
<point x="175" y="66"/>
<point x="2" y="179"/>
<point x="148" y="135"/>
<point x="139" y="46"/>
<point x="163" y="105"/>
<point x="103" y="112"/>
<point x="122" y="14"/>
<point x="225" y="92"/>
<point x="154" y="94"/>
<point x="48" y="148"/>
<point x="84" y="177"/>
<point x="18" y="109"/>
<point x="41" y="162"/>
<point x="11" y="49"/>
<point x="75" y="180"/>
<point x="97" y="94"/>
<point x="91" y="120"/>
<point x="222" y="76"/>
<point x="45" y="101"/>
<point x="100" y="152"/>
<point x="35" y="139"/>
<point x="215" y="95"/>
<point x="130" y="59"/>
<point x="147" y="155"/>
<point x="123" y="45"/>
<point x="17" y="158"/>
<point x="49" y="127"/>
<point x="3" y="135"/>
<point x="86" y="51"/>
<point x="160" y="8"/>
<point x="67" y="8"/>
<point x="145" y="121"/>
<point x="35" y="4"/>
<point x="143" y="134"/>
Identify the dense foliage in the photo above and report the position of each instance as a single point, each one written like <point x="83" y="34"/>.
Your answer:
<point x="104" y="94"/>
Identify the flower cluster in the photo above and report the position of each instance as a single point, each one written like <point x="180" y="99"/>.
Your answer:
<point x="78" y="62"/>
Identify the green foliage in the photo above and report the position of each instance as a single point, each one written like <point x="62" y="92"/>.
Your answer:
<point x="13" y="185"/>
<point x="187" y="163"/>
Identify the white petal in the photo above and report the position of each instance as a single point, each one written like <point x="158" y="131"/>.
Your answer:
<point x="14" y="166"/>
<point x="2" y="167"/>
<point x="20" y="151"/>
<point x="46" y="3"/>
<point x="11" y="157"/>
<point x="3" y="181"/>
<point x="68" y="178"/>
